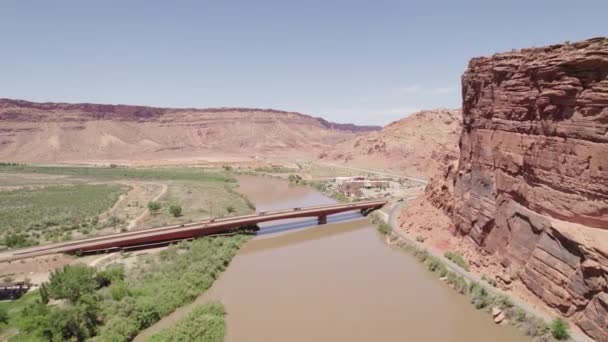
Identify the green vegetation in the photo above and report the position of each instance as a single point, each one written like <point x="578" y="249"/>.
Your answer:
<point x="274" y="169"/>
<point x="74" y="318"/>
<point x="161" y="283"/>
<point x="560" y="329"/>
<point x="175" y="210"/>
<point x="384" y="228"/>
<point x="488" y="280"/>
<point x="205" y="323"/>
<point x="458" y="259"/>
<point x="114" y="306"/>
<point x="478" y="294"/>
<point x="51" y="212"/>
<point x="114" y="173"/>
<point x="154" y="207"/>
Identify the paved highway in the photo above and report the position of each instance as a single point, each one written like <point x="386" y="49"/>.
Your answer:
<point x="186" y="231"/>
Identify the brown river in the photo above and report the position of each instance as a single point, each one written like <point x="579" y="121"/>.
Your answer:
<point x="337" y="282"/>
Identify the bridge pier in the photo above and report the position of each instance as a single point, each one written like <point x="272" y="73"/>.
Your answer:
<point x="322" y="219"/>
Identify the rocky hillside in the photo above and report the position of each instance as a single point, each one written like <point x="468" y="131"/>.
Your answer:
<point x="531" y="185"/>
<point x="420" y="145"/>
<point x="60" y="132"/>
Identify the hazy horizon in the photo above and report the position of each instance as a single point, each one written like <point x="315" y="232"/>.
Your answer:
<point x="345" y="61"/>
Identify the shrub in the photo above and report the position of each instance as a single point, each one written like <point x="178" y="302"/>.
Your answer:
<point x="488" y="280"/>
<point x="385" y="228"/>
<point x="175" y="210"/>
<point x="74" y="323"/>
<point x="154" y="207"/>
<point x="458" y="283"/>
<point x="230" y="209"/>
<point x="109" y="276"/>
<point x="479" y="295"/>
<point x="435" y="265"/>
<point x="205" y="323"/>
<point x="560" y="329"/>
<point x="457" y="258"/>
<point x="72" y="282"/>
<point x="119" y="290"/>
<point x="3" y="315"/>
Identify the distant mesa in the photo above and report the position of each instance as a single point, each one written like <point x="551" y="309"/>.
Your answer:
<point x="63" y="132"/>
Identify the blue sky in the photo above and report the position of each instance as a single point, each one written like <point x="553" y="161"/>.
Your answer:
<point x="367" y="62"/>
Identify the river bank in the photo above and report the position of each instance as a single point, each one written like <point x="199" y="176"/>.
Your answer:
<point x="333" y="282"/>
<point x="532" y="321"/>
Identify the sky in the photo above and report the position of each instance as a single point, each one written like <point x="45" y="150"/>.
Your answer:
<point x="366" y="62"/>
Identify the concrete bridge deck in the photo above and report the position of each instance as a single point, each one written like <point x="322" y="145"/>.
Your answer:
<point x="187" y="231"/>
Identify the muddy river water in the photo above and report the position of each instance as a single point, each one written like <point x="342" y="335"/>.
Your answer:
<point x="337" y="282"/>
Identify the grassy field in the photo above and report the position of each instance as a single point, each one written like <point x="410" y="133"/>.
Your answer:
<point x="116" y="173"/>
<point x="53" y="212"/>
<point x="41" y="204"/>
<point x="199" y="201"/>
<point x="127" y="302"/>
<point x="205" y="324"/>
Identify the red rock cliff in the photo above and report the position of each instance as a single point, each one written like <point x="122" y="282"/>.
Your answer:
<point x="532" y="180"/>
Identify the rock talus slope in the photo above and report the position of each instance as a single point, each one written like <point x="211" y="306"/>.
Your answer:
<point x="61" y="132"/>
<point x="531" y="184"/>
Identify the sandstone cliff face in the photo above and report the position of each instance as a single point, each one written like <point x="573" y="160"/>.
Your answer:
<point x="531" y="184"/>
<point x="420" y="145"/>
<point x="60" y="132"/>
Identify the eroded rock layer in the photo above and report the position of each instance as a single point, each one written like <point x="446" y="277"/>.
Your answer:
<point x="84" y="132"/>
<point x="531" y="183"/>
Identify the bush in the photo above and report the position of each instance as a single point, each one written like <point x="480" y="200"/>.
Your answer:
<point x="435" y="265"/>
<point x="385" y="228"/>
<point x="560" y="329"/>
<point x="74" y="323"/>
<point x="457" y="258"/>
<point x="3" y="315"/>
<point x="119" y="290"/>
<point x="479" y="295"/>
<point x="230" y="209"/>
<point x="154" y="207"/>
<point x="17" y="241"/>
<point x="175" y="210"/>
<point x="72" y="282"/>
<point x="205" y="323"/>
<point x="109" y="276"/>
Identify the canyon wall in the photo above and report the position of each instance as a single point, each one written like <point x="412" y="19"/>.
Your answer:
<point x="531" y="184"/>
<point x="62" y="132"/>
<point x="418" y="145"/>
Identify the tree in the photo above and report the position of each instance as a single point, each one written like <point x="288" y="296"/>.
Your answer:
<point x="154" y="207"/>
<point x="175" y="210"/>
<point x="72" y="282"/>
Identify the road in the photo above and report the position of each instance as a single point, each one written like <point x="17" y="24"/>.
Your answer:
<point x="155" y="236"/>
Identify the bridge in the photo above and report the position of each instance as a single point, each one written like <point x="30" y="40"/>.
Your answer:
<point x="164" y="235"/>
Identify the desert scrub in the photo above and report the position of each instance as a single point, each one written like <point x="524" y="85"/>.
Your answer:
<point x="458" y="259"/>
<point x="205" y="323"/>
<point x="560" y="329"/>
<point x="56" y="209"/>
<point x="159" y="284"/>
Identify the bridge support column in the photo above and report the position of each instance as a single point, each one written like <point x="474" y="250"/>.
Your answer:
<point x="322" y="219"/>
